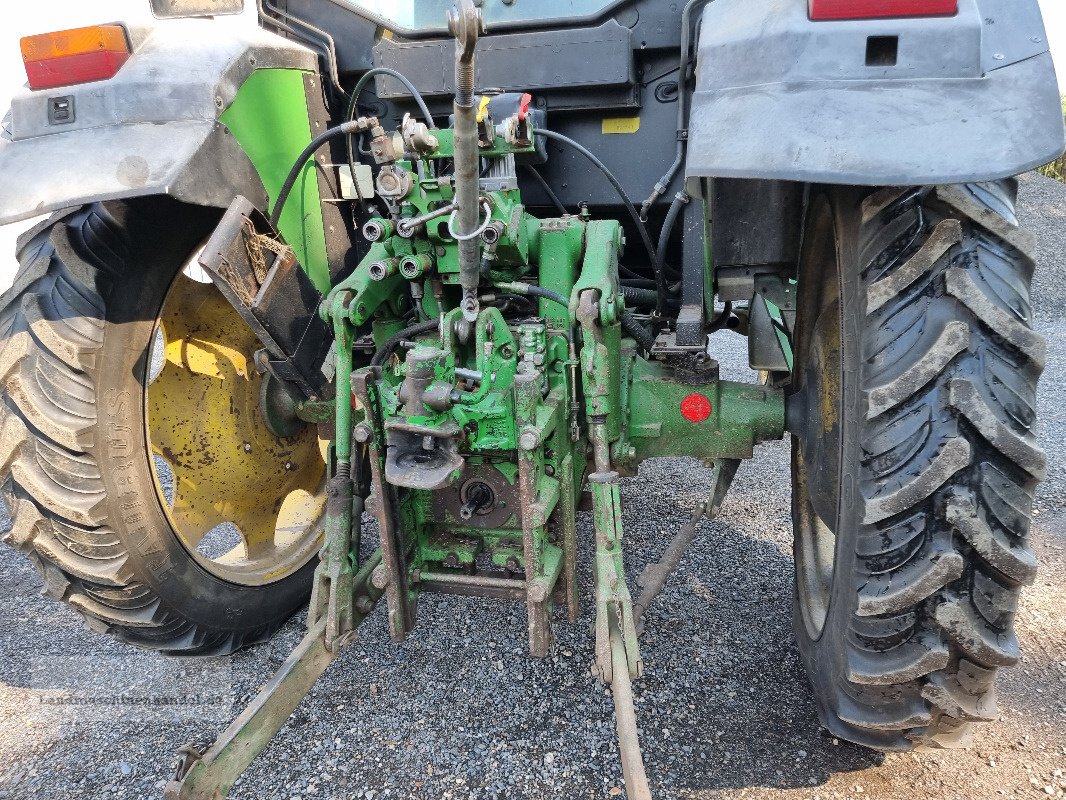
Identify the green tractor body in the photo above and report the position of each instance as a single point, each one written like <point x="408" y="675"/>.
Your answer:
<point x="374" y="270"/>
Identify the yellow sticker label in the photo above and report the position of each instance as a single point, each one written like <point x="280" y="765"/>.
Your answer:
<point x="621" y="125"/>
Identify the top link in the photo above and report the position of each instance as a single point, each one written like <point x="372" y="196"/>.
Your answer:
<point x="465" y="24"/>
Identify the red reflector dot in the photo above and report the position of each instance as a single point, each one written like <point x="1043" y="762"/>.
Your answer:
<point x="695" y="408"/>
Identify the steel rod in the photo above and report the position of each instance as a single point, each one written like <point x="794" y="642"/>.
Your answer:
<point x="464" y="22"/>
<point x="466" y="590"/>
<point x="625" y="716"/>
<point x="210" y="776"/>
<point x="654" y="577"/>
<point x="486" y="581"/>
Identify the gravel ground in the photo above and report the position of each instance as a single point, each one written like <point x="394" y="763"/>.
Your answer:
<point x="460" y="711"/>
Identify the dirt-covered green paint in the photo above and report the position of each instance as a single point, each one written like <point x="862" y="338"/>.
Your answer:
<point x="269" y="120"/>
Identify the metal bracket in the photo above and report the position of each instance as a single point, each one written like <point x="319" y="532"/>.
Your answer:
<point x="261" y="278"/>
<point x="392" y="576"/>
<point x="332" y="596"/>
<point x="209" y="776"/>
<point x="770" y="330"/>
<point x="654" y="576"/>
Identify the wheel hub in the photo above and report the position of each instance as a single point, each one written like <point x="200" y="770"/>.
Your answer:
<point x="206" y="420"/>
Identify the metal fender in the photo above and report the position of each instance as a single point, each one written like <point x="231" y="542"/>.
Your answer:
<point x="881" y="102"/>
<point x="157" y="127"/>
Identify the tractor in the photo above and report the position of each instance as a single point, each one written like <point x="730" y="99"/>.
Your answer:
<point x="369" y="300"/>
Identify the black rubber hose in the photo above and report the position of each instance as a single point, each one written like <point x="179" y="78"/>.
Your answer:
<point x="353" y="103"/>
<point x="343" y="129"/>
<point x="681" y="199"/>
<point x="383" y="353"/>
<point x="547" y="294"/>
<point x="722" y="320"/>
<point x="639" y="296"/>
<point x="635" y="296"/>
<point x="641" y="283"/>
<point x="682" y="107"/>
<point x="640" y="334"/>
<point x="552" y="196"/>
<point x="660" y="275"/>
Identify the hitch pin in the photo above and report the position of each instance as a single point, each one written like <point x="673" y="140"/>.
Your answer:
<point x="472" y="375"/>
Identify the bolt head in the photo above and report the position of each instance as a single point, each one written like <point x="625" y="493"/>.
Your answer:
<point x="538" y="591"/>
<point x="362" y="433"/>
<point x="364" y="605"/>
<point x="380" y="577"/>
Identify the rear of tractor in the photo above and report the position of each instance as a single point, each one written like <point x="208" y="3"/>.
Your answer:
<point x="382" y="262"/>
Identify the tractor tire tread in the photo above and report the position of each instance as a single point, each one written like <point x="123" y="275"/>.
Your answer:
<point x="53" y="324"/>
<point x="951" y="462"/>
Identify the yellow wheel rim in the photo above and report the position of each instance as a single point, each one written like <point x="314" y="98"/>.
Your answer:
<point x="255" y="499"/>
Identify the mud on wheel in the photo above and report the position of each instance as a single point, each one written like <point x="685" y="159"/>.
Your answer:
<point x="135" y="461"/>
<point x="915" y="388"/>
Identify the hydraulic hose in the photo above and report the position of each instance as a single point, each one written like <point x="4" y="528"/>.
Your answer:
<point x="641" y="335"/>
<point x="639" y="296"/>
<point x="383" y="353"/>
<point x="682" y="110"/>
<point x="530" y="290"/>
<point x="344" y="129"/>
<point x="681" y="199"/>
<point x="723" y="319"/>
<point x="530" y="170"/>
<point x="535" y="291"/>
<point x="660" y="275"/>
<point x="410" y="87"/>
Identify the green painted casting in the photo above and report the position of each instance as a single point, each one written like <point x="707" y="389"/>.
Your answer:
<point x="741" y="415"/>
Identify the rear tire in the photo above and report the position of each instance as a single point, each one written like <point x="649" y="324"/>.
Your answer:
<point x="76" y="331"/>
<point x="914" y="459"/>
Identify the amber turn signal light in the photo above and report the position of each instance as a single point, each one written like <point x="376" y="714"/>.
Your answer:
<point x="81" y="55"/>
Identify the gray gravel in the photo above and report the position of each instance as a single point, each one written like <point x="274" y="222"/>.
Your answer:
<point x="459" y="710"/>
